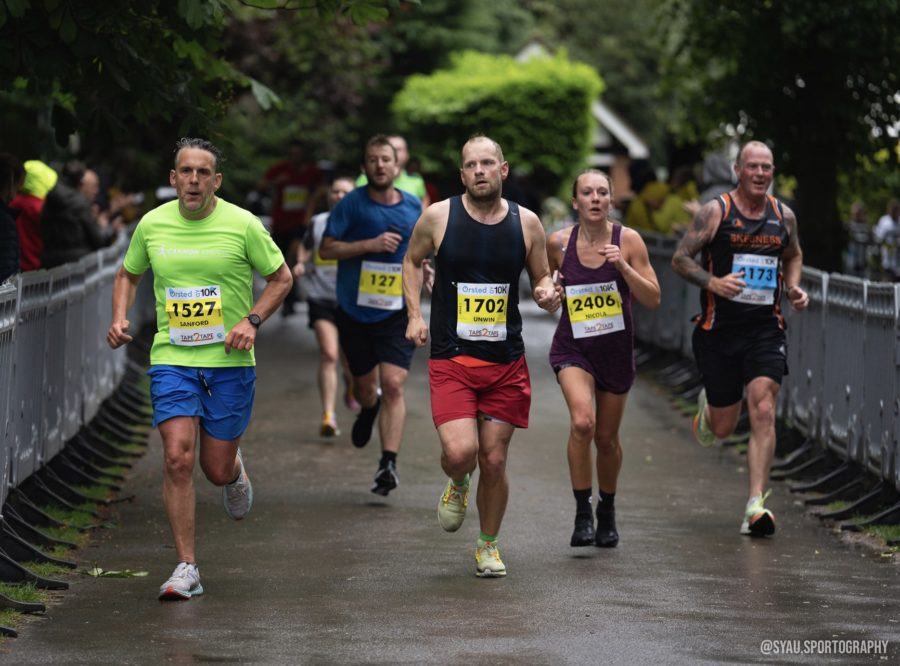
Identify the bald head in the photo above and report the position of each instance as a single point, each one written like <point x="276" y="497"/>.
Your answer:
<point x="753" y="147"/>
<point x="480" y="138"/>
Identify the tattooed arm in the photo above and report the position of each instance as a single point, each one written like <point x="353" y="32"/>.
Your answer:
<point x="706" y="223"/>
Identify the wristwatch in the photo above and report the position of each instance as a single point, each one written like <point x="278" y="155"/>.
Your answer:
<point x="254" y="319"/>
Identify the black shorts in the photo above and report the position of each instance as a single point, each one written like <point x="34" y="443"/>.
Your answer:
<point x="729" y="359"/>
<point x="367" y="345"/>
<point x="321" y="310"/>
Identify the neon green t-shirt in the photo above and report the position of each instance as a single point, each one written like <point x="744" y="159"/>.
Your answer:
<point x="202" y="279"/>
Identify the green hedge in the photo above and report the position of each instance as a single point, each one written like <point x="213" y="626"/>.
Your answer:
<point x="539" y="111"/>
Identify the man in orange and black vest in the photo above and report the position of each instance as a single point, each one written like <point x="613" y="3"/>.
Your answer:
<point x="750" y="258"/>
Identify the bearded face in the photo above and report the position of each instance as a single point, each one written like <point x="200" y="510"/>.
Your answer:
<point x="483" y="170"/>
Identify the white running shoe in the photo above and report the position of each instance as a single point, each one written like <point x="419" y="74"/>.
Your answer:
<point x="238" y="496"/>
<point x="487" y="560"/>
<point x="758" y="520"/>
<point x="184" y="583"/>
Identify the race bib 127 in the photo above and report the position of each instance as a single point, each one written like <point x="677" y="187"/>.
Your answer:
<point x="380" y="285"/>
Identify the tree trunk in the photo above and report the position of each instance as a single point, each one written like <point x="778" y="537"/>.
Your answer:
<point x="821" y="230"/>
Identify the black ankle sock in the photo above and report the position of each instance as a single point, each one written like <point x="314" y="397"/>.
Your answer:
<point x="386" y="457"/>
<point x="606" y="503"/>
<point x="582" y="501"/>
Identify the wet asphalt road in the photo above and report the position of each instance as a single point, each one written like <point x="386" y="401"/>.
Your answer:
<point x="324" y="572"/>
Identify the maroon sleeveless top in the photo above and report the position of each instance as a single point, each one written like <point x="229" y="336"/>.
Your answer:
<point x="609" y="357"/>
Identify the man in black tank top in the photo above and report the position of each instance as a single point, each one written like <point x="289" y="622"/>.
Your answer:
<point x="480" y="389"/>
<point x="750" y="257"/>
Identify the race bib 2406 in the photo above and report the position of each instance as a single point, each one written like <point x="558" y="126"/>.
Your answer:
<point x="594" y="309"/>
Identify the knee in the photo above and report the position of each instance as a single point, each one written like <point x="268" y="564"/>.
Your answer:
<point x="582" y="426"/>
<point x="179" y="465"/>
<point x="763" y="412"/>
<point x="492" y="465"/>
<point x="392" y="390"/>
<point x="606" y="443"/>
<point x="458" y="461"/>
<point x="365" y="391"/>
<point x="219" y="473"/>
<point x="327" y="356"/>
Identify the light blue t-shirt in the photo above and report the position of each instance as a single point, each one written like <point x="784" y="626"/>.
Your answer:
<point x="369" y="286"/>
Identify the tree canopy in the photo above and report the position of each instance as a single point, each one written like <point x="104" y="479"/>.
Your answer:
<point x="818" y="81"/>
<point x="538" y="111"/>
<point x="125" y="73"/>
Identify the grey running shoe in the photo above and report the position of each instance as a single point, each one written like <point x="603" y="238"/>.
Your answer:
<point x="184" y="583"/>
<point x="238" y="496"/>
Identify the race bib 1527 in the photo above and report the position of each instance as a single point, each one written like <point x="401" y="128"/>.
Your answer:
<point x="195" y="315"/>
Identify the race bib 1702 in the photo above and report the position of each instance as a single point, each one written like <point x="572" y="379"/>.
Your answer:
<point x="481" y="311"/>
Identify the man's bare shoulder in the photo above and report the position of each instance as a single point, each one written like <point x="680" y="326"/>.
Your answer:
<point x="435" y="216"/>
<point x="531" y="223"/>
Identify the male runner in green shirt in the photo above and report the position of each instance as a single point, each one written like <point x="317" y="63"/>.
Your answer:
<point x="203" y="251"/>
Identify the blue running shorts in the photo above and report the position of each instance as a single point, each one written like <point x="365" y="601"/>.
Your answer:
<point x="221" y="397"/>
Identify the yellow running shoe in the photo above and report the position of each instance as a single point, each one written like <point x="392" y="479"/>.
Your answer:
<point x="487" y="560"/>
<point x="451" y="510"/>
<point x="758" y="520"/>
<point x="329" y="426"/>
<point x="702" y="433"/>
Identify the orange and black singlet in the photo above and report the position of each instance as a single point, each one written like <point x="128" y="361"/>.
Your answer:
<point x="753" y="246"/>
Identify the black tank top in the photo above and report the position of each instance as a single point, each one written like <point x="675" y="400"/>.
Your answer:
<point x="475" y="300"/>
<point x="754" y="246"/>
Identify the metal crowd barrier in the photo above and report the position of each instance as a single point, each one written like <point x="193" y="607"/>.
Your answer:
<point x="880" y="388"/>
<point x="55" y="367"/>
<point x="28" y="375"/>
<point x="802" y="392"/>
<point x="9" y="301"/>
<point x="843" y="359"/>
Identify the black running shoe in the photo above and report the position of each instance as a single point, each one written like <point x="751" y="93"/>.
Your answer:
<point x="584" y="530"/>
<point x="607" y="536"/>
<point x="386" y="479"/>
<point x="362" y="426"/>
